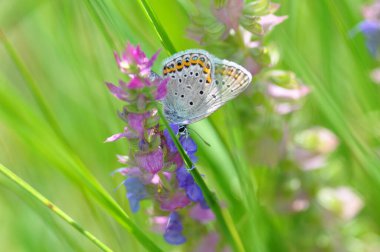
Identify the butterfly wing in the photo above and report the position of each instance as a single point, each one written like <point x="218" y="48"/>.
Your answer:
<point x="230" y="79"/>
<point x="191" y="77"/>
<point x="200" y="84"/>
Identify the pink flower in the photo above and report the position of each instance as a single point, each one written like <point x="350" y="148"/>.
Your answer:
<point x="341" y="200"/>
<point x="312" y="147"/>
<point x="127" y="133"/>
<point x="317" y="139"/>
<point x="287" y="93"/>
<point x="372" y="12"/>
<point x="229" y="15"/>
<point x="269" y="21"/>
<point x="152" y="161"/>
<point x="159" y="223"/>
<point x="133" y="61"/>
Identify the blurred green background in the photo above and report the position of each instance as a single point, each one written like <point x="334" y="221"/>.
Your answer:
<point x="55" y="113"/>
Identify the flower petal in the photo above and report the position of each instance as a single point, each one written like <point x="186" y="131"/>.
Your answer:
<point x="152" y="161"/>
<point x="117" y="92"/>
<point x="173" y="232"/>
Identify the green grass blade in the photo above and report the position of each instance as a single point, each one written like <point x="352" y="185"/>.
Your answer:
<point x="161" y="33"/>
<point x="56" y="210"/>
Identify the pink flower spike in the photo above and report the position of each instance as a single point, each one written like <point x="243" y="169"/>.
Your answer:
<point x="117" y="92"/>
<point x="152" y="161"/>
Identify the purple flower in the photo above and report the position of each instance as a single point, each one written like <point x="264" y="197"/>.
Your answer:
<point x="133" y="61"/>
<point x="174" y="201"/>
<point x="160" y="84"/>
<point x="136" y="122"/>
<point x="135" y="192"/>
<point x="118" y="92"/>
<point x="152" y="161"/>
<point x="173" y="233"/>
<point x="188" y="144"/>
<point x="371" y="31"/>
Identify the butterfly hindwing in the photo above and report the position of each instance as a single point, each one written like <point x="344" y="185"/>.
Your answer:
<point x="229" y="81"/>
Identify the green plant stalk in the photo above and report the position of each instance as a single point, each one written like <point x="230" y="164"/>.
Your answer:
<point x="164" y="38"/>
<point x="38" y="196"/>
<point x="224" y="219"/>
<point x="83" y="174"/>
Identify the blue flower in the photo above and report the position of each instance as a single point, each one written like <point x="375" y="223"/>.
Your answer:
<point x="371" y="31"/>
<point x="190" y="147"/>
<point x="173" y="232"/>
<point x="193" y="192"/>
<point x="135" y="192"/>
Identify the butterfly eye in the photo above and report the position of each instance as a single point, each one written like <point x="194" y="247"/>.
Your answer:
<point x="195" y="57"/>
<point x="187" y="59"/>
<point x="179" y="62"/>
<point x="202" y="59"/>
<point x="172" y="65"/>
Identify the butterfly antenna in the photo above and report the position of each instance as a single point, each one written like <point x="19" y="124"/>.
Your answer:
<point x="209" y="145"/>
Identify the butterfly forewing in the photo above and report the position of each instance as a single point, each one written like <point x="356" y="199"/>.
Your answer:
<point x="191" y="76"/>
<point x="199" y="84"/>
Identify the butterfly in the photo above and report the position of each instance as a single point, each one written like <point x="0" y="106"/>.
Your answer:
<point x="199" y="84"/>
